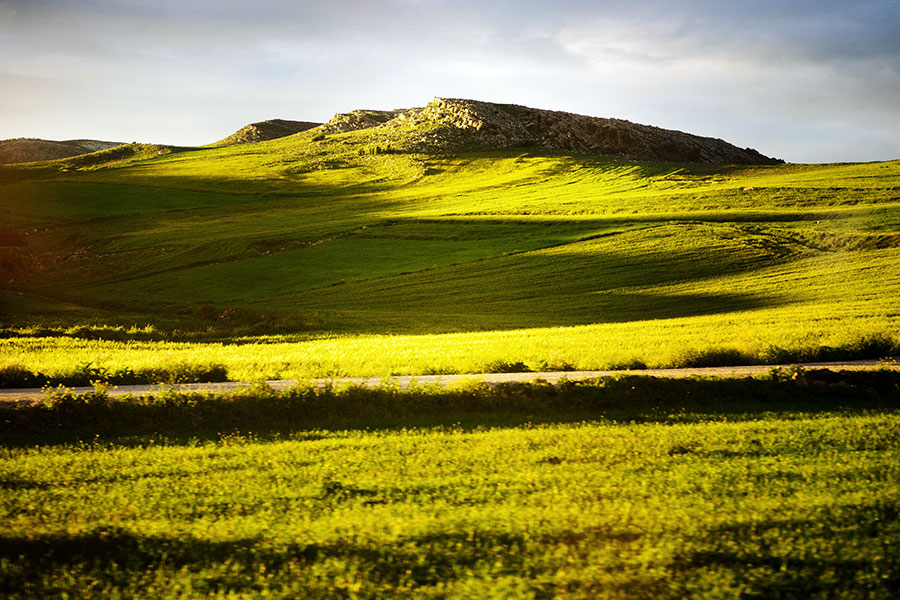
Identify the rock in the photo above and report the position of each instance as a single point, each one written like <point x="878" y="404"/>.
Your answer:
<point x="452" y="125"/>
<point x="359" y="119"/>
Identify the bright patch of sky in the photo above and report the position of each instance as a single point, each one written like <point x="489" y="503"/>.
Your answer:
<point x="807" y="81"/>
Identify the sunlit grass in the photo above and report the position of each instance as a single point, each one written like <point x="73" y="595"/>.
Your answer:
<point x="804" y="504"/>
<point x="308" y="257"/>
<point x="471" y="260"/>
<point x="766" y="336"/>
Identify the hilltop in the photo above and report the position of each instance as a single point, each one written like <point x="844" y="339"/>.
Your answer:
<point x="265" y="130"/>
<point x="453" y="125"/>
<point x="450" y="126"/>
<point x="23" y="150"/>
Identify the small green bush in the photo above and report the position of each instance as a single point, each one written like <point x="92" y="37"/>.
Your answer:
<point x="716" y="357"/>
<point x="504" y="366"/>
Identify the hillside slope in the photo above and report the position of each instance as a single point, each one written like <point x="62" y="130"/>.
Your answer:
<point x="453" y="125"/>
<point x="347" y="228"/>
<point x="23" y="150"/>
<point x="265" y="130"/>
<point x="324" y="231"/>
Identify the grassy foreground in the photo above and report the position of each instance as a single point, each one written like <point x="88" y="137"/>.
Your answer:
<point x="637" y="488"/>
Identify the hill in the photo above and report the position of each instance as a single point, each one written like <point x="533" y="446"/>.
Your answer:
<point x="23" y="150"/>
<point x="460" y="238"/>
<point x="453" y="125"/>
<point x="373" y="224"/>
<point x="265" y="130"/>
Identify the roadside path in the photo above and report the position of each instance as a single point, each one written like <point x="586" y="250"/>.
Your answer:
<point x="28" y="395"/>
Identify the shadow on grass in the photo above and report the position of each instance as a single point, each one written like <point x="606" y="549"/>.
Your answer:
<point x="768" y="559"/>
<point x="181" y="417"/>
<point x="748" y="553"/>
<point x="238" y="566"/>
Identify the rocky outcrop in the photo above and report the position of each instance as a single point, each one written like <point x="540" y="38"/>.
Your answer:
<point x="266" y="130"/>
<point x="22" y="150"/>
<point x="359" y="119"/>
<point x="449" y="125"/>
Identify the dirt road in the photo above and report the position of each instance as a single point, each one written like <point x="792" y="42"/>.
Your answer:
<point x="28" y="395"/>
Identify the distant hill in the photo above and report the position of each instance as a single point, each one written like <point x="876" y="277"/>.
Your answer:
<point x="265" y="130"/>
<point x="21" y="150"/>
<point x="451" y="125"/>
<point x="119" y="155"/>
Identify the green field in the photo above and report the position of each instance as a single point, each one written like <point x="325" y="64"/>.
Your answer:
<point x="315" y="256"/>
<point x="543" y="260"/>
<point x="631" y="488"/>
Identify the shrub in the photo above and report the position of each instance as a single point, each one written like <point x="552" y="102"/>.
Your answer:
<point x="185" y="373"/>
<point x="503" y="366"/>
<point x="13" y="376"/>
<point x="715" y="357"/>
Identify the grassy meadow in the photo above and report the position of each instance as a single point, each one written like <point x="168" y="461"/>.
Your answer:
<point x="295" y="257"/>
<point x="339" y="255"/>
<point x="622" y="488"/>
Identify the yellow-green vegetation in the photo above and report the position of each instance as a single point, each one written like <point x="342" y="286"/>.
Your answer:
<point x="345" y="254"/>
<point x="694" y="341"/>
<point x="463" y="260"/>
<point x="699" y="489"/>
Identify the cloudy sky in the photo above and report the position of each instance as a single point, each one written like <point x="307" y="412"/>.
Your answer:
<point x="803" y="80"/>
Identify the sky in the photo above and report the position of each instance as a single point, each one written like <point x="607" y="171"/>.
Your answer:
<point x="806" y="81"/>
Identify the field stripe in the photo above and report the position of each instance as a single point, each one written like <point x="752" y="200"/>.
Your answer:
<point x="28" y="395"/>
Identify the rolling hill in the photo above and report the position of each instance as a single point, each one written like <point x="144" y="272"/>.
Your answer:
<point x="23" y="150"/>
<point x="462" y="216"/>
<point x="462" y="237"/>
<point x="265" y="130"/>
<point x="453" y="125"/>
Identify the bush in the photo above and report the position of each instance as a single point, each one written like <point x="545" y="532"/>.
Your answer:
<point x="715" y="357"/>
<point x="184" y="373"/>
<point x="545" y="366"/>
<point x="865" y="348"/>
<point x="17" y="376"/>
<point x="503" y="366"/>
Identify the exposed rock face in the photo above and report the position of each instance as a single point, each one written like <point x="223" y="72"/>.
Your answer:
<point x="266" y="130"/>
<point x="21" y="150"/>
<point x="359" y="119"/>
<point x="453" y="124"/>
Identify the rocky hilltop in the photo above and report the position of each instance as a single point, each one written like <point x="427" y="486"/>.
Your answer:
<point x="362" y="119"/>
<point x="448" y="124"/>
<point x="266" y="130"/>
<point x="22" y="150"/>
